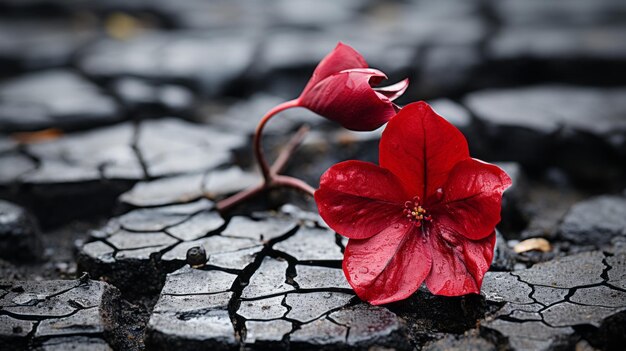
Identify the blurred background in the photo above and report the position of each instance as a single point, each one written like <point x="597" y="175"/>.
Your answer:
<point x="96" y="96"/>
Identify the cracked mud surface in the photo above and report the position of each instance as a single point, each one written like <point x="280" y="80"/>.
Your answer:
<point x="50" y="315"/>
<point x="273" y="281"/>
<point x="543" y="307"/>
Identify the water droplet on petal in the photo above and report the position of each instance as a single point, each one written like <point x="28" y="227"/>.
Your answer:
<point x="439" y="193"/>
<point x="396" y="226"/>
<point x="363" y="270"/>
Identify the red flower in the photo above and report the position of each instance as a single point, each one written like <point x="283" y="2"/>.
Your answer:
<point x="341" y="90"/>
<point x="427" y="213"/>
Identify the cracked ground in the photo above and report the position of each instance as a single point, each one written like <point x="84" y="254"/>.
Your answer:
<point x="122" y="125"/>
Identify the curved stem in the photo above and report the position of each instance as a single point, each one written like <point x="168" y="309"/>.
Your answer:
<point x="286" y="181"/>
<point x="229" y="202"/>
<point x="280" y="162"/>
<point x="258" y="150"/>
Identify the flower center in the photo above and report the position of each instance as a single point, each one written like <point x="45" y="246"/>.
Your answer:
<point x="414" y="211"/>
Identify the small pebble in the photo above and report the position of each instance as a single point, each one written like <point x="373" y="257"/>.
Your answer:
<point x="196" y="256"/>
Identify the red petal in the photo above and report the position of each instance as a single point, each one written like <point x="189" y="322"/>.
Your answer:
<point x="359" y="199"/>
<point x="458" y="264"/>
<point x="348" y="98"/>
<point x="341" y="58"/>
<point x="394" y="91"/>
<point x="389" y="266"/>
<point x="420" y="147"/>
<point x="472" y="198"/>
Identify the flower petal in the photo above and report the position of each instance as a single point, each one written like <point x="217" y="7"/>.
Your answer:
<point x="420" y="147"/>
<point x="389" y="266"/>
<point x="359" y="199"/>
<point x="394" y="91"/>
<point x="341" y="58"/>
<point x="347" y="97"/>
<point x="472" y="197"/>
<point x="458" y="264"/>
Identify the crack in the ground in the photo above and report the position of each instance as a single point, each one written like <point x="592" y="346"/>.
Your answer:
<point x="240" y="283"/>
<point x="137" y="151"/>
<point x="39" y="318"/>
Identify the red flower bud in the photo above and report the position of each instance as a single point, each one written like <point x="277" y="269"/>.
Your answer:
<point x="342" y="89"/>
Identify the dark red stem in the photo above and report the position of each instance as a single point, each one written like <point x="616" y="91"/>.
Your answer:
<point x="229" y="202"/>
<point x="291" y="182"/>
<point x="275" y="180"/>
<point x="258" y="148"/>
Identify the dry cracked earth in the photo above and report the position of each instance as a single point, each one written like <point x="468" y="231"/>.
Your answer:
<point x="122" y="124"/>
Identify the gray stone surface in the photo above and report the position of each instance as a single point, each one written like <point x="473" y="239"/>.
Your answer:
<point x="506" y="287"/>
<point x="19" y="235"/>
<point x="567" y="272"/>
<point x="617" y="273"/>
<point x="553" y="122"/>
<point x="74" y="169"/>
<point x="321" y="332"/>
<point x="454" y="113"/>
<point x="239" y="259"/>
<point x="123" y="250"/>
<point x="559" y="12"/>
<point x="169" y="147"/>
<point x="192" y="311"/>
<point x="38" y="43"/>
<point x="203" y="61"/>
<point x="208" y="327"/>
<point x="311" y="244"/>
<point x="166" y="147"/>
<point x="54" y="99"/>
<point x="246" y="294"/>
<point x="265" y="334"/>
<point x="269" y="279"/>
<point x="314" y="277"/>
<point x="213" y="245"/>
<point x="74" y="343"/>
<point x="503" y="257"/>
<point x="553" y="43"/>
<point x="513" y="213"/>
<point x="595" y="221"/>
<point x="368" y="322"/>
<point x="188" y="315"/>
<point x="310" y="306"/>
<point x="165" y="191"/>
<point x="540" y="307"/>
<point x="264" y="309"/>
<point x="197" y="226"/>
<point x="220" y="183"/>
<point x="145" y="99"/>
<point x="262" y="231"/>
<point x="195" y="281"/>
<point x="214" y="184"/>
<point x="543" y="112"/>
<point x="57" y="313"/>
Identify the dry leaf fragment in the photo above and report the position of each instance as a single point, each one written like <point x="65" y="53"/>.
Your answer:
<point x="533" y="244"/>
